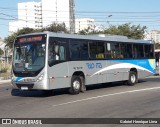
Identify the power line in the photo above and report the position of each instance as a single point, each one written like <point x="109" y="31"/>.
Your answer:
<point x="6" y="19"/>
<point x="113" y="17"/>
<point x="14" y="18"/>
<point x="94" y="12"/>
<point x="102" y="17"/>
<point x="117" y="17"/>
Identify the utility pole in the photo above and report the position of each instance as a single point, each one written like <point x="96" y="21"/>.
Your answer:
<point x="72" y="15"/>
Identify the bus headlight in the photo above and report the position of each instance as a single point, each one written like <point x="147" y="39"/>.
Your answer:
<point x="13" y="79"/>
<point x="40" y="78"/>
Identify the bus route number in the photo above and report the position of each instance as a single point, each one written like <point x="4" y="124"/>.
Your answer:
<point x="94" y="65"/>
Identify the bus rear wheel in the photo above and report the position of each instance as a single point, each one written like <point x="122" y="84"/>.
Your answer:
<point x="132" y="78"/>
<point x="76" y="84"/>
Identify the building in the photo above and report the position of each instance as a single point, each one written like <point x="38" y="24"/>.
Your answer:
<point x="55" y="11"/>
<point x="84" y="23"/>
<point x="41" y="14"/>
<point x="2" y="44"/>
<point x="29" y="15"/>
<point x="153" y="35"/>
<point x="14" y="26"/>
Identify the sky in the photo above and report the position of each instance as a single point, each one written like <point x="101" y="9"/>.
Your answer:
<point x="105" y="12"/>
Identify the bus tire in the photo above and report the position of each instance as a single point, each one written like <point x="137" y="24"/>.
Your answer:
<point x="132" y="78"/>
<point x="83" y="87"/>
<point x="76" y="84"/>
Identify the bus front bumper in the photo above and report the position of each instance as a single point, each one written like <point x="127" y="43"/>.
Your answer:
<point x="30" y="85"/>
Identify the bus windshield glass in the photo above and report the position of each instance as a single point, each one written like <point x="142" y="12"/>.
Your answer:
<point x="29" y="53"/>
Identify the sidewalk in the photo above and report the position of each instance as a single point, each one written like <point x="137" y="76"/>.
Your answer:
<point x="5" y="81"/>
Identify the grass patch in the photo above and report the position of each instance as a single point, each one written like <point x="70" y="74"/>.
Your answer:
<point x="5" y="74"/>
<point x="5" y="70"/>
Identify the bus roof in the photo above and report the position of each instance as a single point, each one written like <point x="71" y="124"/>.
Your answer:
<point x="100" y="37"/>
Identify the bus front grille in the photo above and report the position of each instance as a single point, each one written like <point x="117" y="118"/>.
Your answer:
<point x="30" y="86"/>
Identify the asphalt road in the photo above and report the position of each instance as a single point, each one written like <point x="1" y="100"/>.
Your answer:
<point x="100" y="101"/>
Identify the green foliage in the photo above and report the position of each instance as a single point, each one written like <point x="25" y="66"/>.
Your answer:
<point x="4" y="67"/>
<point x="134" y="32"/>
<point x="1" y="51"/>
<point x="157" y="46"/>
<point x="131" y="31"/>
<point x="53" y="28"/>
<point x="10" y="39"/>
<point x="56" y="28"/>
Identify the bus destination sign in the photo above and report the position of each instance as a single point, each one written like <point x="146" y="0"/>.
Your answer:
<point x="30" y="39"/>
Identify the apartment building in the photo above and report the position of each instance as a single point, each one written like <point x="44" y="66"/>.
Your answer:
<point x="55" y="11"/>
<point x="41" y="14"/>
<point x="29" y="15"/>
<point x="84" y="23"/>
<point x="153" y="35"/>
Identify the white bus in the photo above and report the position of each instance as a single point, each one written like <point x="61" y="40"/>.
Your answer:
<point x="48" y="61"/>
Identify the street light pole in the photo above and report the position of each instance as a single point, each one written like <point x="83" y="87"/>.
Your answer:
<point x="108" y="18"/>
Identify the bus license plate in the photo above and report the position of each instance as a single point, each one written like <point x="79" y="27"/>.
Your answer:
<point x="24" y="88"/>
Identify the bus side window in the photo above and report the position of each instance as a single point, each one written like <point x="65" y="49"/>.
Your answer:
<point x="56" y="52"/>
<point x="129" y="51"/>
<point x="53" y="52"/>
<point x="115" y="51"/>
<point x="148" y="51"/>
<point x="93" y="50"/>
<point x="50" y="54"/>
<point x="62" y="53"/>
<point x="100" y="50"/>
<point x="108" y="51"/>
<point x="135" y="55"/>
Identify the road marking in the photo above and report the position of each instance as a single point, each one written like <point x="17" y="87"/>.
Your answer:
<point x="107" y="95"/>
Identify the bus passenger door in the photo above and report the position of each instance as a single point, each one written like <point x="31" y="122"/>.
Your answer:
<point x="58" y="65"/>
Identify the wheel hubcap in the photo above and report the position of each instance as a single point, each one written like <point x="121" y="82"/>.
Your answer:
<point x="76" y="85"/>
<point x="133" y="78"/>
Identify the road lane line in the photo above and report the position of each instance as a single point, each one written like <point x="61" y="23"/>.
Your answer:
<point x="96" y="97"/>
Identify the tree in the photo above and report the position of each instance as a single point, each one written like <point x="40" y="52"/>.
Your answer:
<point x="10" y="39"/>
<point x="157" y="46"/>
<point x="1" y="52"/>
<point x="53" y="28"/>
<point x="86" y="31"/>
<point x="91" y="30"/>
<point x="131" y="31"/>
<point x="134" y="32"/>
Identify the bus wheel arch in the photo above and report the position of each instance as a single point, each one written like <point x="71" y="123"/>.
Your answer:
<point x="133" y="77"/>
<point x="77" y="83"/>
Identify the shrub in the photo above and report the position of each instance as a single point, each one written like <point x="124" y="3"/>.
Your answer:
<point x="5" y="67"/>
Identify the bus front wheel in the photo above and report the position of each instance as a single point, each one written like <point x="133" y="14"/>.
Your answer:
<point x="76" y="84"/>
<point x="132" y="78"/>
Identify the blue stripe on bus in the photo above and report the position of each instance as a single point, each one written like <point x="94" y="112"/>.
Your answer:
<point x="18" y="79"/>
<point x="146" y="63"/>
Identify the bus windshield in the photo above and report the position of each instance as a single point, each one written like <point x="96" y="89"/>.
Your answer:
<point x="29" y="56"/>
